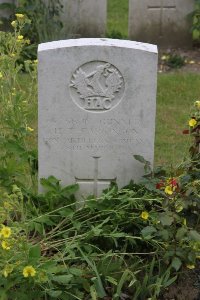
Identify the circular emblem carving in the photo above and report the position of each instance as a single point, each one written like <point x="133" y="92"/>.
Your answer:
<point x="97" y="86"/>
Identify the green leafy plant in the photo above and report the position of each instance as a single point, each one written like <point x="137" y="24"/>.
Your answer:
<point x="173" y="60"/>
<point x="18" y="157"/>
<point x="45" y="22"/>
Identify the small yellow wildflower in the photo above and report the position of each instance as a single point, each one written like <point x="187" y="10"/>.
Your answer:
<point x="169" y="190"/>
<point x="7" y="270"/>
<point x="13" y="23"/>
<point x="164" y="57"/>
<point x="30" y="129"/>
<point x="29" y="271"/>
<point x="192" y="122"/>
<point x="5" y="245"/>
<point x="144" y="215"/>
<point x="13" y="54"/>
<point x="20" y="37"/>
<point x="190" y="266"/>
<point x="19" y="16"/>
<point x="197" y="104"/>
<point x="28" y="42"/>
<point x="5" y="231"/>
<point x="1" y="75"/>
<point x="5" y="273"/>
<point x="35" y="61"/>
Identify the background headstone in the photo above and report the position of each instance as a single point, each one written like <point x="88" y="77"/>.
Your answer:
<point x="97" y="102"/>
<point x="164" y="22"/>
<point x="85" y="18"/>
<point x="5" y="14"/>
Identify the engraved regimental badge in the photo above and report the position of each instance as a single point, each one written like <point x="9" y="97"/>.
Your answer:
<point x="97" y="86"/>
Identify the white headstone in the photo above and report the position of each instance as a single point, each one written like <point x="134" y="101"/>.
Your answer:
<point x="164" y="22"/>
<point x="85" y="18"/>
<point x="97" y="102"/>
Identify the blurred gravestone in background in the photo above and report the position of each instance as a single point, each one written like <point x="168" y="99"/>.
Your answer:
<point x="163" y="22"/>
<point x="80" y="18"/>
<point x="6" y="9"/>
<point x="84" y="18"/>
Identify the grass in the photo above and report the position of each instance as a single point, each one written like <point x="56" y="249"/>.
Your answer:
<point x="117" y="22"/>
<point x="176" y="94"/>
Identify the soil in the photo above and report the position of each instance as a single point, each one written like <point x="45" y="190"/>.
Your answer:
<point x="187" y="287"/>
<point x="191" y="60"/>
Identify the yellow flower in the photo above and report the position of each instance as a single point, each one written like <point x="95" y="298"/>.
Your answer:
<point x="192" y="122"/>
<point x="30" y="129"/>
<point x="144" y="215"/>
<point x="197" y="104"/>
<point x="28" y="42"/>
<point x="164" y="57"/>
<point x="1" y="75"/>
<point x="7" y="270"/>
<point x="20" y="37"/>
<point x="35" y="61"/>
<point x="169" y="190"/>
<point x="190" y="266"/>
<point x="5" y="245"/>
<point x="19" y="16"/>
<point x="13" y="23"/>
<point x="29" y="271"/>
<point x="13" y="54"/>
<point x="5" y="232"/>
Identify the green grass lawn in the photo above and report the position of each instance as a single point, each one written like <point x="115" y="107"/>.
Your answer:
<point x="117" y="21"/>
<point x="175" y="96"/>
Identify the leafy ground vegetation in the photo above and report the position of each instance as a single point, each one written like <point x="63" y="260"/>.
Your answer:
<point x="127" y="244"/>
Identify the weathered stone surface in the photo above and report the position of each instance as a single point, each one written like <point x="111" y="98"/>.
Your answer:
<point x="97" y="101"/>
<point x="163" y="22"/>
<point x="85" y="18"/>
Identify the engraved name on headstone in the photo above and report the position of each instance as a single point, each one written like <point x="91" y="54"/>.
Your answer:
<point x="97" y="101"/>
<point x="164" y="22"/>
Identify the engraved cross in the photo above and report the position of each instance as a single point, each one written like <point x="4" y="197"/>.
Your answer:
<point x="95" y="180"/>
<point x="162" y="7"/>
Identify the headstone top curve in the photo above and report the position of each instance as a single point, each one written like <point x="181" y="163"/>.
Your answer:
<point x="97" y="42"/>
